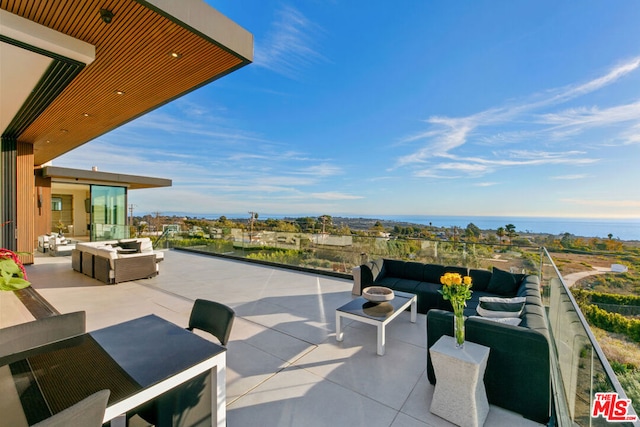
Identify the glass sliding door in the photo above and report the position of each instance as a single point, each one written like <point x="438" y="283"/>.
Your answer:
<point x="108" y="213"/>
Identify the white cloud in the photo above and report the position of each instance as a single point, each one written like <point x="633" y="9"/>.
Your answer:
<point x="447" y="136"/>
<point x="289" y="46"/>
<point x="335" y="196"/>
<point x="605" y="203"/>
<point x="569" y="177"/>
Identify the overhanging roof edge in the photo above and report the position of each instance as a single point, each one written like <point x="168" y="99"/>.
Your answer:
<point x="108" y="178"/>
<point x="209" y="22"/>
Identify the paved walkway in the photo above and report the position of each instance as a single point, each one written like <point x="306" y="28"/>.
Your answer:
<point x="571" y="279"/>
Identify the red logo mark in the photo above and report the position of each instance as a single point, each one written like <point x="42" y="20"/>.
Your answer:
<point x="612" y="408"/>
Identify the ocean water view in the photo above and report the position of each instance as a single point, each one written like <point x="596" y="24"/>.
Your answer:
<point x="620" y="228"/>
<point x="623" y="229"/>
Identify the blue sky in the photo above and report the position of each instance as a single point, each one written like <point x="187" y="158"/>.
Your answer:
<point x="360" y="108"/>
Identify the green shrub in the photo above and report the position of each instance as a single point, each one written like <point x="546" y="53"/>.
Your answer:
<point x="630" y="382"/>
<point x="289" y="257"/>
<point x="612" y="322"/>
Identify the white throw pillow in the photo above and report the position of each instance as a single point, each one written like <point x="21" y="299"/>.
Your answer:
<point x="501" y="307"/>
<point x="515" y="321"/>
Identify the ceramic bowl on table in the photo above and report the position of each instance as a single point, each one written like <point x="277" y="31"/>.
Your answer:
<point x="377" y="294"/>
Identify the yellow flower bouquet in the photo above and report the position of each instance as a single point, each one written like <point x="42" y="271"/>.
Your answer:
<point x="457" y="290"/>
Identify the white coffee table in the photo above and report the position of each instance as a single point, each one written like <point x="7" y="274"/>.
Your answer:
<point x="377" y="314"/>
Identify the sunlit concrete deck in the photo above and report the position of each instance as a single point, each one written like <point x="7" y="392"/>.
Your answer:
<point x="285" y="367"/>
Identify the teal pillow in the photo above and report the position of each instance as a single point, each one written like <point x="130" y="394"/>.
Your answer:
<point x="503" y="283"/>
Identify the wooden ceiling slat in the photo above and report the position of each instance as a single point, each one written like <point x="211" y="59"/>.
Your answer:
<point x="137" y="37"/>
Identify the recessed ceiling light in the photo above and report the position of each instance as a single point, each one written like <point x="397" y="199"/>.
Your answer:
<point x="86" y="114"/>
<point x="175" y="55"/>
<point x="63" y="131"/>
<point x="119" y="92"/>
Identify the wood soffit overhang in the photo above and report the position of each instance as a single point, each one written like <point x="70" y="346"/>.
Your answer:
<point x="133" y="57"/>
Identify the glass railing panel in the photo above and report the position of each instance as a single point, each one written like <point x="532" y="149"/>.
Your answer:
<point x="580" y="369"/>
<point x="343" y="253"/>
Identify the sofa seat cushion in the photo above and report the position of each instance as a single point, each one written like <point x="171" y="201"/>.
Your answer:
<point x="428" y="296"/>
<point x="405" y="285"/>
<point x="388" y="282"/>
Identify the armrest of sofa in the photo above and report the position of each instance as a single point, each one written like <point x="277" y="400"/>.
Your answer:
<point x="518" y="374"/>
<point x="134" y="267"/>
<point x="357" y="280"/>
<point x="365" y="275"/>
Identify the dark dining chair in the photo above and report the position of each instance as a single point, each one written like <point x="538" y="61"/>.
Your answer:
<point x="212" y="317"/>
<point x="89" y="412"/>
<point x="208" y="316"/>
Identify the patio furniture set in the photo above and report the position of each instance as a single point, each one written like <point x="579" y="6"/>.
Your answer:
<point x="116" y="261"/>
<point x="517" y="375"/>
<point x="53" y="373"/>
<point x="55" y="244"/>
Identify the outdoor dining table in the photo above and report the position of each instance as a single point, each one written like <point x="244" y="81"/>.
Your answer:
<point x="137" y="360"/>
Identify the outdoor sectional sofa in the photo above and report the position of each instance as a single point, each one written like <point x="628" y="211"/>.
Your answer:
<point x="116" y="261"/>
<point x="518" y="373"/>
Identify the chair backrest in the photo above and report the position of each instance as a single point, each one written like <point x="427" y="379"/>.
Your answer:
<point x="89" y="412"/>
<point x="25" y="336"/>
<point x="212" y="317"/>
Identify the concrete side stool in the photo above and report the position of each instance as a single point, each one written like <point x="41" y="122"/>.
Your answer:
<point x="459" y="395"/>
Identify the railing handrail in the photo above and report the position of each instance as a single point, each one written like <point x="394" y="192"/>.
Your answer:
<point x="594" y="343"/>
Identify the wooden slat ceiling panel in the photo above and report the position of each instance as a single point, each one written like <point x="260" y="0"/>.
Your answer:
<point x="132" y="55"/>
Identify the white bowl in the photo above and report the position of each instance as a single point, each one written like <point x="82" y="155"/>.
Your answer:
<point x="377" y="294"/>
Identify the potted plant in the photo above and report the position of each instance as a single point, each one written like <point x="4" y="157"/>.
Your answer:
<point x="12" y="273"/>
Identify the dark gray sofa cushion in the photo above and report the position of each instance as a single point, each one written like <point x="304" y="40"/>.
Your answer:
<point x="414" y="271"/>
<point x="394" y="268"/>
<point x="462" y="271"/>
<point x="504" y="283"/>
<point x="432" y="273"/>
<point x="479" y="279"/>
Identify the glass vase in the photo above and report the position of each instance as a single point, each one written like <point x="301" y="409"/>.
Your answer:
<point x="458" y="328"/>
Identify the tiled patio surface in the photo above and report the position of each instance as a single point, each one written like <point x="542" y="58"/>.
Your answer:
<point x="285" y="367"/>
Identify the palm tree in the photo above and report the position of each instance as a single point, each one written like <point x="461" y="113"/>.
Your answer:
<point x="511" y="231"/>
<point x="501" y="233"/>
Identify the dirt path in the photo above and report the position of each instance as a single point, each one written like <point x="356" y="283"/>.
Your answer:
<point x="572" y="278"/>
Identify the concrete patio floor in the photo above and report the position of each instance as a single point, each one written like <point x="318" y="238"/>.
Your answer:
<point x="285" y="367"/>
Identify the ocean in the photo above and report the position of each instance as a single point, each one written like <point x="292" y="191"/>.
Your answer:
<point x="623" y="229"/>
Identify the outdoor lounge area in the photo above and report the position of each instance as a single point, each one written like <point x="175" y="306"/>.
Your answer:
<point x="284" y="365"/>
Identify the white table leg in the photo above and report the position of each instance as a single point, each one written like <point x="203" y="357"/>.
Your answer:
<point x="414" y="310"/>
<point x="339" y="334"/>
<point x="381" y="339"/>
<point x="220" y="392"/>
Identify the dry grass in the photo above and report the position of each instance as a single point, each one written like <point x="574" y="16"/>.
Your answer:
<point x="617" y="347"/>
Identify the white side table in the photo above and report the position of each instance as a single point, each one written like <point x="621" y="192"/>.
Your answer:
<point x="459" y="395"/>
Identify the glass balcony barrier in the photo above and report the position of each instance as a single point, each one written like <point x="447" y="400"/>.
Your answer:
<point x="581" y="370"/>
